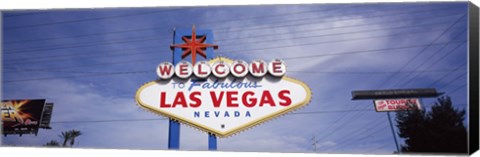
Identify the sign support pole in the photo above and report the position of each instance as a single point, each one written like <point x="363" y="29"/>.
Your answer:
<point x="174" y="135"/>
<point x="174" y="126"/>
<point x="393" y="132"/>
<point x="212" y="142"/>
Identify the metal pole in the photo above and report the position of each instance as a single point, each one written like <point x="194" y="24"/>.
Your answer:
<point x="212" y="142"/>
<point x="174" y="126"/>
<point x="393" y="132"/>
<point x="212" y="138"/>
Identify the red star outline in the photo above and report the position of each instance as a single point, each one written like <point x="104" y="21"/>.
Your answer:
<point x="193" y="46"/>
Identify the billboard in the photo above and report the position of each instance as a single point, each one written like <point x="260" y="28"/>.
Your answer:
<point x="395" y="93"/>
<point x="21" y="116"/>
<point x="386" y="105"/>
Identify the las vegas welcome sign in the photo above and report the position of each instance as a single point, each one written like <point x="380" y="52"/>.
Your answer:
<point x="222" y="96"/>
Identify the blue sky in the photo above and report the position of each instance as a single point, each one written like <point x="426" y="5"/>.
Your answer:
<point x="81" y="60"/>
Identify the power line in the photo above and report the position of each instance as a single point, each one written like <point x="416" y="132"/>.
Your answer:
<point x="437" y="60"/>
<point x="82" y="54"/>
<point x="243" y="27"/>
<point x="146" y="39"/>
<point x="425" y="48"/>
<point x="331" y="28"/>
<point x="114" y="42"/>
<point x="347" y="138"/>
<point x="77" y="46"/>
<point x="455" y="68"/>
<point x="407" y="64"/>
<point x="359" y="139"/>
<point x="308" y="72"/>
<point x="89" y="19"/>
<point x="154" y="28"/>
<point x="333" y="34"/>
<point x="310" y="23"/>
<point x="349" y="52"/>
<point x="25" y="14"/>
<point x="458" y="89"/>
<point x="155" y="119"/>
<point x="366" y="51"/>
<point x="76" y="76"/>
<point x="444" y="76"/>
<point x="112" y="120"/>
<point x="93" y="65"/>
<point x="371" y="72"/>
<point x="455" y="79"/>
<point x="99" y="73"/>
<point x="271" y="34"/>
<point x="67" y="58"/>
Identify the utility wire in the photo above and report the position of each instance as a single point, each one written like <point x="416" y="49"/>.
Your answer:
<point x="156" y="28"/>
<point x="452" y="39"/>
<point x="163" y="37"/>
<point x="311" y="56"/>
<point x="453" y="80"/>
<point x="434" y="62"/>
<point x="458" y="89"/>
<point x="334" y="34"/>
<point x="147" y="38"/>
<point x="258" y="42"/>
<point x="445" y="76"/>
<point x="307" y="72"/>
<point x="89" y="19"/>
<point x="25" y="14"/>
<point x="343" y="124"/>
<point x="425" y="48"/>
<point x="332" y="28"/>
<point x="366" y="51"/>
<point x="155" y="119"/>
<point x="243" y="28"/>
<point x="81" y="54"/>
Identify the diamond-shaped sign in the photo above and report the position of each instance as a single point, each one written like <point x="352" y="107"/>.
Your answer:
<point x="223" y="106"/>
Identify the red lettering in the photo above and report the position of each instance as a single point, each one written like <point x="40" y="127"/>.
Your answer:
<point x="194" y="96"/>
<point x="276" y="67"/>
<point x="200" y="70"/>
<point x="165" y="69"/>
<point x="180" y="100"/>
<point x="219" y="72"/>
<point x="266" y="99"/>
<point x="235" y="69"/>
<point x="216" y="101"/>
<point x="248" y="102"/>
<point x="258" y="68"/>
<point x="232" y="98"/>
<point x="162" y="100"/>
<point x="284" y="96"/>
<point x="183" y="69"/>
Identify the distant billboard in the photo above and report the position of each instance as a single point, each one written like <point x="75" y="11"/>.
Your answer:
<point x="394" y="93"/>
<point x="386" y="105"/>
<point x="21" y="116"/>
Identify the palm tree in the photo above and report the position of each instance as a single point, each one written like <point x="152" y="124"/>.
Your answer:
<point x="66" y="136"/>
<point x="52" y="143"/>
<point x="74" y="134"/>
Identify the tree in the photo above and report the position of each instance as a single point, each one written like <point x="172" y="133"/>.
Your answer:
<point x="66" y="136"/>
<point x="52" y="143"/>
<point x="439" y="131"/>
<point x="74" y="134"/>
